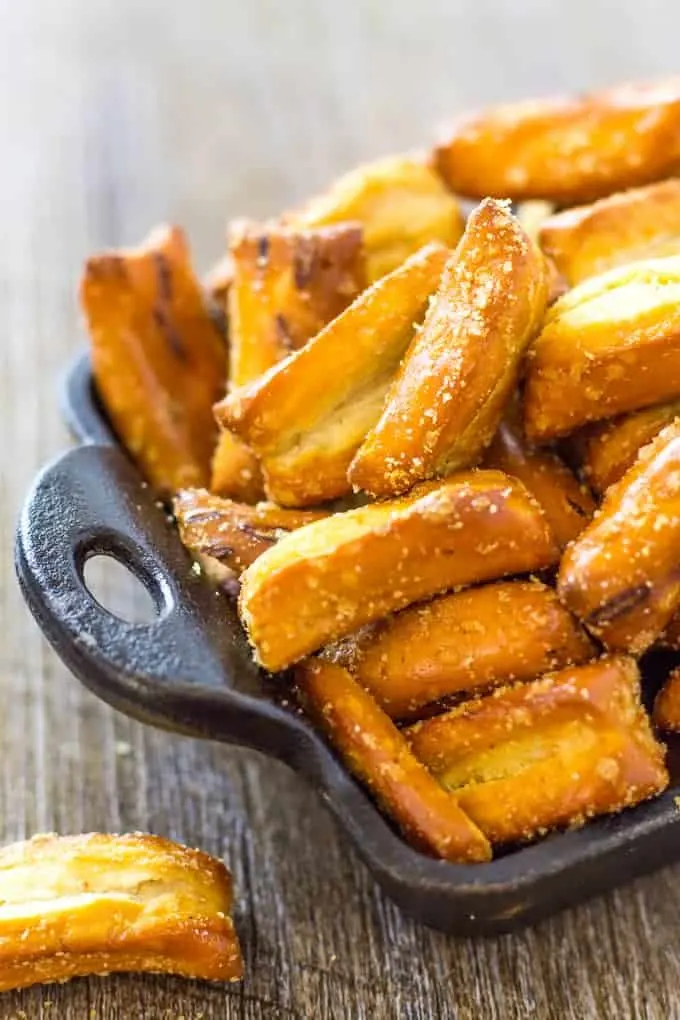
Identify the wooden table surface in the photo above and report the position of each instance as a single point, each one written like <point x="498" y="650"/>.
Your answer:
<point x="117" y="114"/>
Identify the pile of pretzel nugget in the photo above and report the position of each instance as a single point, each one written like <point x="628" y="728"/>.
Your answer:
<point x="436" y="457"/>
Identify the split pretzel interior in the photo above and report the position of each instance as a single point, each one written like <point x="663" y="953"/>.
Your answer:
<point x="446" y="489"/>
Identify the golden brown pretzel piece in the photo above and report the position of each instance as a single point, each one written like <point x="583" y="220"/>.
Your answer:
<point x="666" y="713"/>
<point x="608" y="449"/>
<point x="401" y="204"/>
<point x="377" y="753"/>
<point x="620" y="576"/>
<point x="566" y="150"/>
<point x="326" y="580"/>
<point x="158" y="359"/>
<point x="567" y="505"/>
<point x="643" y="223"/>
<point x="547" y="754"/>
<point x="97" y="904"/>
<point x="306" y="417"/>
<point x="609" y="346"/>
<point x="286" y="285"/>
<point x="462" y="642"/>
<point x="449" y="394"/>
<point x="225" y="537"/>
<point x="235" y="471"/>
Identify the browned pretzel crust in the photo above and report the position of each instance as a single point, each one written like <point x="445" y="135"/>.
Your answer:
<point x="227" y="536"/>
<point x="609" y="346"/>
<point x="96" y="904"/>
<point x="462" y="642"/>
<point x="158" y="360"/>
<point x="377" y="753"/>
<point x="287" y="285"/>
<point x="548" y="754"/>
<point x="666" y="714"/>
<point x="643" y="223"/>
<point x="566" y="150"/>
<point x="447" y="399"/>
<point x="567" y="505"/>
<point x="609" y="449"/>
<point x="400" y="202"/>
<point x="307" y="416"/>
<point x="620" y="576"/>
<point x="235" y="470"/>
<point x="326" y="580"/>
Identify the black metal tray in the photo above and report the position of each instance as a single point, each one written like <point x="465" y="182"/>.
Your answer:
<point x="190" y="671"/>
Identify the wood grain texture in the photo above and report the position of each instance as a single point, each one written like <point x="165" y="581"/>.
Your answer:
<point x="114" y="115"/>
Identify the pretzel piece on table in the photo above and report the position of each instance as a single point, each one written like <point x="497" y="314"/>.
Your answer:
<point x="306" y="417"/>
<point x="462" y="642"/>
<point x="158" y="360"/>
<point x="400" y="202"/>
<point x="450" y="392"/>
<point x="547" y="754"/>
<point x="96" y="904"/>
<point x="567" y="150"/>
<point x="327" y="579"/>
<point x="620" y="576"/>
<point x="609" y="346"/>
<point x="377" y="753"/>
<point x="643" y="223"/>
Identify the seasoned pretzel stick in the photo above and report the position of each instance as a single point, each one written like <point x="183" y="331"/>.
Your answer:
<point x="643" y="223"/>
<point x="621" y="575"/>
<point x="566" y="150"/>
<point x="449" y="394"/>
<point x="551" y="753"/>
<point x="462" y="642"/>
<point x="326" y="580"/>
<point x="376" y="752"/>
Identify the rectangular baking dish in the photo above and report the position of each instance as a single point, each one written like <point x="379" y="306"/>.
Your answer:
<point x="191" y="671"/>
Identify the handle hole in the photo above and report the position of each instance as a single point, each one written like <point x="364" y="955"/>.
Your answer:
<point x="117" y="590"/>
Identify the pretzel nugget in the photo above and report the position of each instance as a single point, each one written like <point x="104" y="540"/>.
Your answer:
<point x="287" y="285"/>
<point x="462" y="642"/>
<point x="235" y="471"/>
<point x="608" y="449"/>
<point x="447" y="399"/>
<point x="548" y="754"/>
<point x="566" y="150"/>
<point x="401" y="204"/>
<point x="157" y="358"/>
<point x="377" y="753"/>
<point x="643" y="223"/>
<point x="567" y="505"/>
<point x="72" y="906"/>
<point x="227" y="536"/>
<point x="328" y="579"/>
<point x="608" y="346"/>
<point x="307" y="416"/>
<point x="620" y="576"/>
<point x="666" y="713"/>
